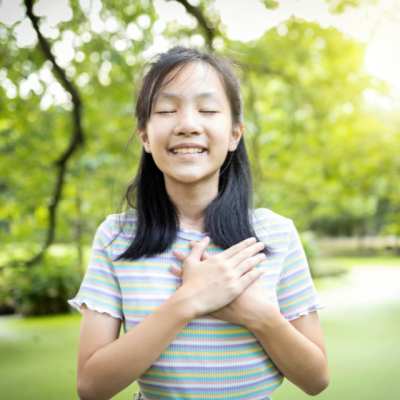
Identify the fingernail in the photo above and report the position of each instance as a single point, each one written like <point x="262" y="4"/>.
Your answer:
<point x="174" y="267"/>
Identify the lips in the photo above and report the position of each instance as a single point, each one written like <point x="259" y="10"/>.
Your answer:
<point x="188" y="150"/>
<point x="188" y="146"/>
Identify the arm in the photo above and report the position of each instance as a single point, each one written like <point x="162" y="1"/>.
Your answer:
<point x="108" y="364"/>
<point x="297" y="348"/>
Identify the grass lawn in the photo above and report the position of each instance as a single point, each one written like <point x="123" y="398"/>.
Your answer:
<point x="38" y="355"/>
<point x="363" y="352"/>
<point x="354" y="262"/>
<point x="38" y="358"/>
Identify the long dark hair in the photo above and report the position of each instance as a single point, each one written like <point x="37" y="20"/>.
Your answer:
<point x="226" y="218"/>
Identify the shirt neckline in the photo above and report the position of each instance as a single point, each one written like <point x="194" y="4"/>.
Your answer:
<point x="187" y="234"/>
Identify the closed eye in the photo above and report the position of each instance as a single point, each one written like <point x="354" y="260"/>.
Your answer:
<point x="165" y="112"/>
<point x="209" y="112"/>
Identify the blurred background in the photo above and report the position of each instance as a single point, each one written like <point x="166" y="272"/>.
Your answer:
<point x="321" y="86"/>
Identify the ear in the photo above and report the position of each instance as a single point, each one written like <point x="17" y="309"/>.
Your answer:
<point x="145" y="141"/>
<point x="235" y="137"/>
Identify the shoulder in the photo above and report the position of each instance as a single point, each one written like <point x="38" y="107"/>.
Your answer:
<point x="115" y="234"/>
<point x="117" y="227"/>
<point x="117" y="224"/>
<point x="272" y="228"/>
<point x="262" y="218"/>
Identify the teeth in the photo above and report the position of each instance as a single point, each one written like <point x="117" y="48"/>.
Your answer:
<point x="187" y="150"/>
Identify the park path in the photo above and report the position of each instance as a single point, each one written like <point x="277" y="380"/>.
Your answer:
<point x="365" y="286"/>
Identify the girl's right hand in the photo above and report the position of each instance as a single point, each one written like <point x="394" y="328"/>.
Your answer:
<point x="218" y="280"/>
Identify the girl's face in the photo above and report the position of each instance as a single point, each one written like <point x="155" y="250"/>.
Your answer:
<point x="190" y="129"/>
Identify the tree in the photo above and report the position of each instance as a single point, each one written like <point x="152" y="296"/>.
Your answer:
<point x="325" y="158"/>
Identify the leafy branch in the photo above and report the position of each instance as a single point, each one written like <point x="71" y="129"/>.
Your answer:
<point x="340" y="6"/>
<point x="77" y="137"/>
<point x="209" y="31"/>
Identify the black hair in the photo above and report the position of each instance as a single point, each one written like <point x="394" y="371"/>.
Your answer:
<point x="226" y="218"/>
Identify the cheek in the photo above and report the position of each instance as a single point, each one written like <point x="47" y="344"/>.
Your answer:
<point x="220" y="144"/>
<point x="159" y="154"/>
<point x="156" y="140"/>
<point x="161" y="162"/>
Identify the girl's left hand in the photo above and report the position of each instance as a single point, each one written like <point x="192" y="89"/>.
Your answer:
<point x="244" y="310"/>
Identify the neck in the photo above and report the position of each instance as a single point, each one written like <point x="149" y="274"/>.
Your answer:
<point x="191" y="200"/>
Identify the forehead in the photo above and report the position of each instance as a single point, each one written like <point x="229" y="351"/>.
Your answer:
<point x="192" y="79"/>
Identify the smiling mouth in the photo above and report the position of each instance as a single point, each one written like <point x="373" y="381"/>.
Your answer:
<point x="190" y="150"/>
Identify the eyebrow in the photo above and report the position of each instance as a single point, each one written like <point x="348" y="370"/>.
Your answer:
<point x="172" y="96"/>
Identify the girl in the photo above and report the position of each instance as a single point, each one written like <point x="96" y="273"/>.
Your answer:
<point x="216" y="299"/>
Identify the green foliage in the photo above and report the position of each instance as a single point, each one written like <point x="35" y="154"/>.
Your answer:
<point x="29" y="343"/>
<point x="42" y="289"/>
<point x="310" y="247"/>
<point x="271" y="4"/>
<point x="321" y="154"/>
<point x="320" y="266"/>
<point x="339" y="6"/>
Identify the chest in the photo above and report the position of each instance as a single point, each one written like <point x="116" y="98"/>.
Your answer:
<point x="147" y="282"/>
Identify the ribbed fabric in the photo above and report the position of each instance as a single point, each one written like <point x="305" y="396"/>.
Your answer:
<point x="211" y="358"/>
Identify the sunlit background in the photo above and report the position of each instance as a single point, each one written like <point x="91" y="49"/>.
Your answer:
<point x="321" y="86"/>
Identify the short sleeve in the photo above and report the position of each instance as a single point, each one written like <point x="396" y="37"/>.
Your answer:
<point x="100" y="290"/>
<point x="295" y="289"/>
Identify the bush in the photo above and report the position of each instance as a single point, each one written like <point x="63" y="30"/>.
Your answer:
<point x="310" y="248"/>
<point x="319" y="266"/>
<point x="40" y="289"/>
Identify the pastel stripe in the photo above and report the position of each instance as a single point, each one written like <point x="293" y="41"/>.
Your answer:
<point x="210" y="358"/>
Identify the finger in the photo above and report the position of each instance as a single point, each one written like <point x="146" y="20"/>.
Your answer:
<point x="199" y="248"/>
<point x="180" y="255"/>
<point x="229" y="253"/>
<point x="176" y="270"/>
<point x="247" y="279"/>
<point x="247" y="253"/>
<point x="248" y="264"/>
<point x="205" y="256"/>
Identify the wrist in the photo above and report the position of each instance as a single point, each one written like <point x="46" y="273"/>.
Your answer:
<point x="183" y="300"/>
<point x="267" y="319"/>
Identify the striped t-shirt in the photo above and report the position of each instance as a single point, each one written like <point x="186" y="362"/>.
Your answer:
<point x="210" y="358"/>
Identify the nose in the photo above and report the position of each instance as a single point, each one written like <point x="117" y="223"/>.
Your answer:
<point x="188" y="123"/>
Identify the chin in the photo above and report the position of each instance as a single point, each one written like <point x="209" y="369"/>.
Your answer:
<point x="188" y="179"/>
<point x="187" y="176"/>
